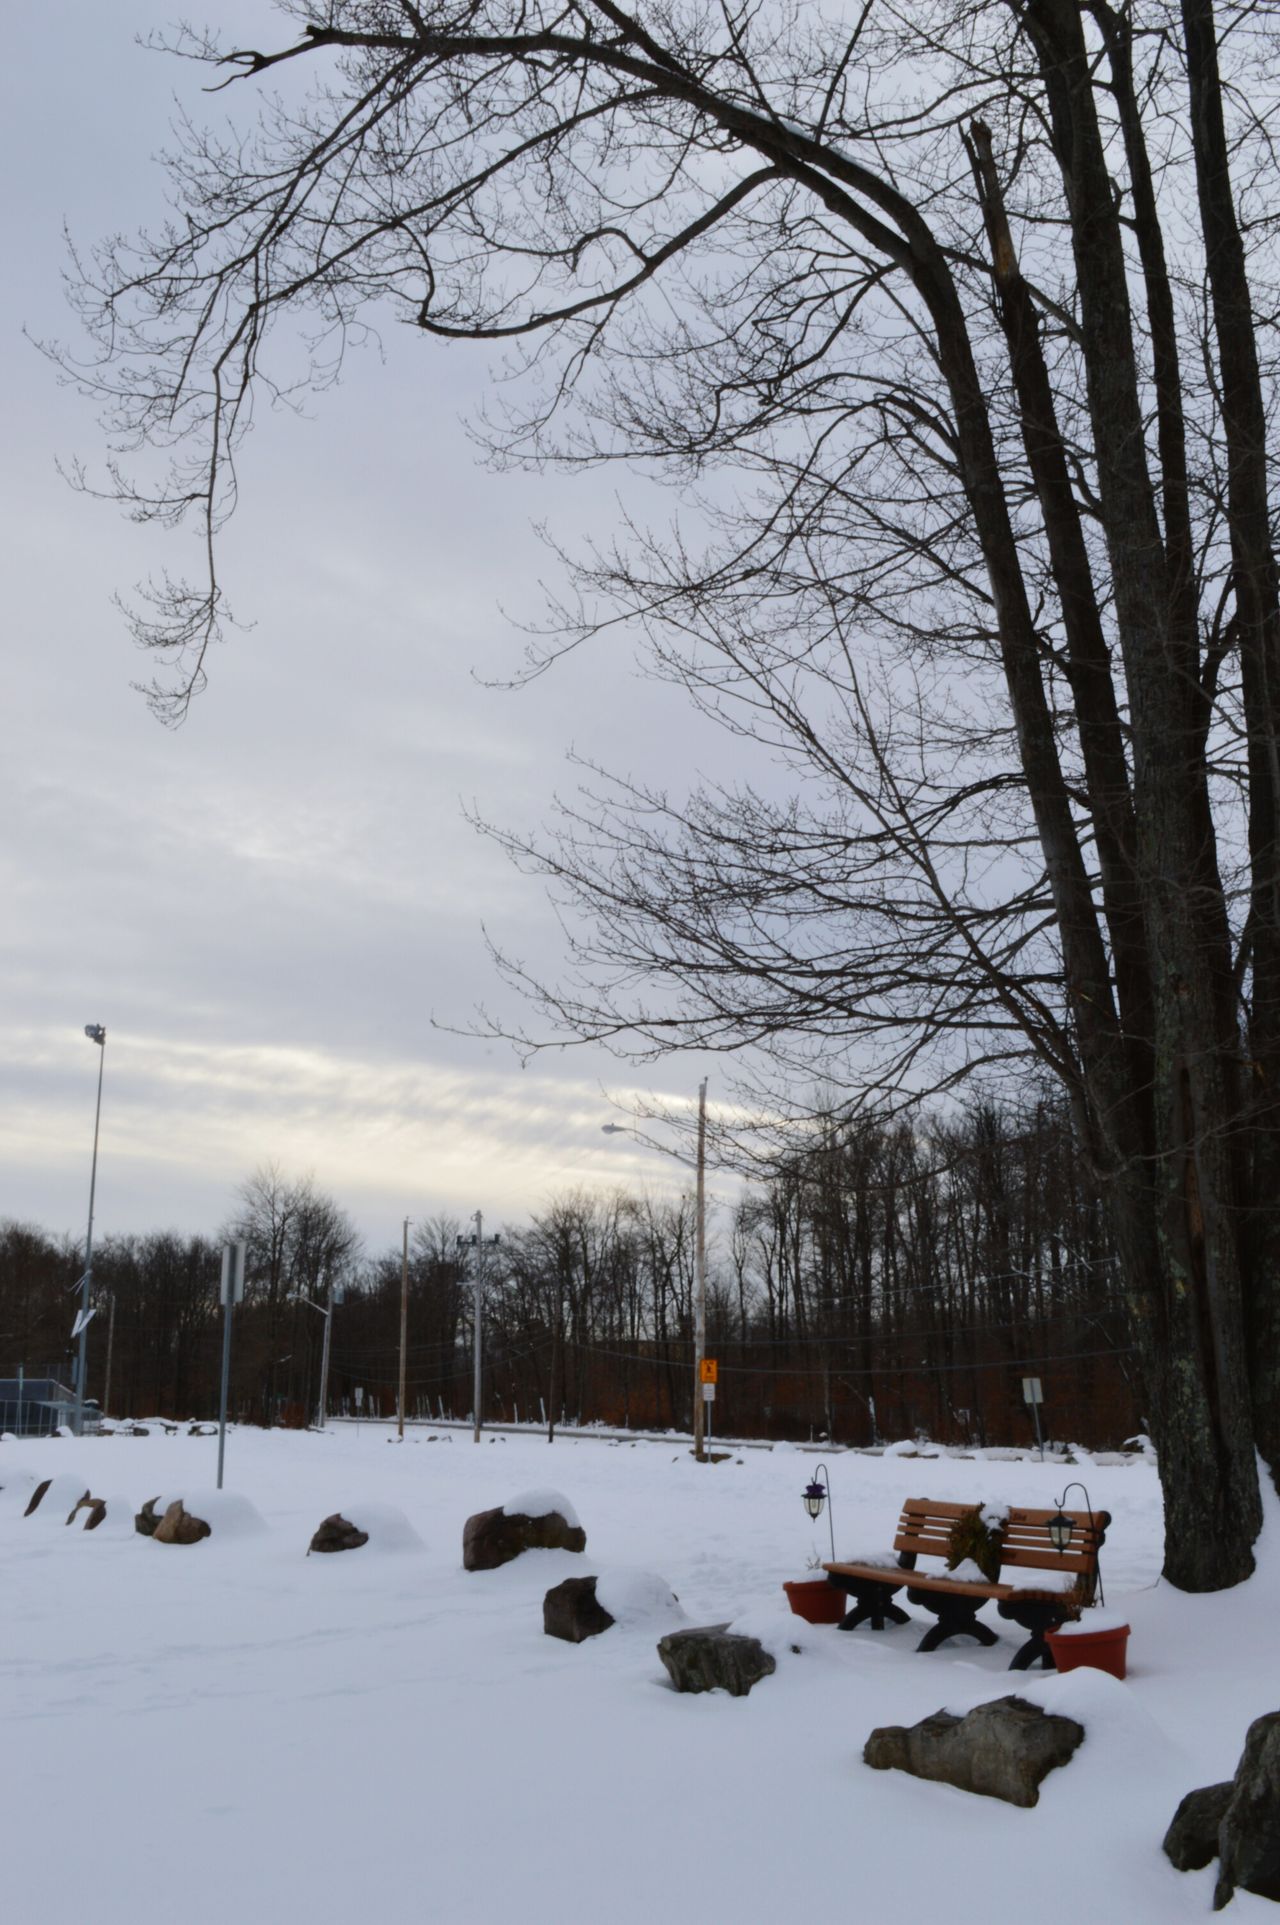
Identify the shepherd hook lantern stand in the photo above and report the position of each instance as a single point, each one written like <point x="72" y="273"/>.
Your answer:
<point x="1061" y="1529"/>
<point x="814" y="1499"/>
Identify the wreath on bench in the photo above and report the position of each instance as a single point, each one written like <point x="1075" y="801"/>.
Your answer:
<point x="978" y="1536"/>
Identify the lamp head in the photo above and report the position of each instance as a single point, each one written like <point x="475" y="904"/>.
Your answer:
<point x="1060" y="1529"/>
<point x="96" y="1033"/>
<point x="814" y="1499"/>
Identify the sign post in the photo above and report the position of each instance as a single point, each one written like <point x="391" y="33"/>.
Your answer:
<point x="1033" y="1395"/>
<point x="708" y="1372"/>
<point x="232" y="1293"/>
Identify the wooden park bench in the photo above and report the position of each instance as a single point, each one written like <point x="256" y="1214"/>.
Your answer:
<point x="924" y="1530"/>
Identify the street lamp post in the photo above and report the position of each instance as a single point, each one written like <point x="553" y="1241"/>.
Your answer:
<point x="699" y="1259"/>
<point x="96" y="1032"/>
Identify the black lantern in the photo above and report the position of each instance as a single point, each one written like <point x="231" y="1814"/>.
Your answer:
<point x="1061" y="1528"/>
<point x="815" y="1496"/>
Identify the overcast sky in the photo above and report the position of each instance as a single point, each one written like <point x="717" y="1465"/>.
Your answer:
<point x="267" y="907"/>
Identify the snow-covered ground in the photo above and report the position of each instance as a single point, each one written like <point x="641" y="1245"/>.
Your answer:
<point x="235" y="1731"/>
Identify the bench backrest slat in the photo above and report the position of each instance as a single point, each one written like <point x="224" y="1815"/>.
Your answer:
<point x="924" y="1530"/>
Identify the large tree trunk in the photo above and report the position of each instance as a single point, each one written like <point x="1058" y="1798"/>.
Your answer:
<point x="1177" y="1227"/>
<point x="1257" y="600"/>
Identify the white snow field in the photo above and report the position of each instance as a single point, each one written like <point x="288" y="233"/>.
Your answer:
<point x="233" y="1731"/>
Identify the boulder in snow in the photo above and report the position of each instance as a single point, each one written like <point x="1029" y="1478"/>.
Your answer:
<point x="635" y="1597"/>
<point x="537" y="1521"/>
<point x="177" y="1526"/>
<point x="711" y="1657"/>
<point x="1249" y="1837"/>
<point x="57" y="1497"/>
<point x="1004" y="1749"/>
<point x="336" y="1534"/>
<point x="573" y="1612"/>
<point x="94" y="1509"/>
<point x="146" y="1521"/>
<point x="1191" y="1841"/>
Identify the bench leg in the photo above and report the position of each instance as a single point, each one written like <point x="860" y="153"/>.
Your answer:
<point x="873" y="1603"/>
<point x="957" y="1618"/>
<point x="1037" y="1617"/>
<point x="1034" y="1651"/>
<point x="874" y="1610"/>
<point x="944" y="1629"/>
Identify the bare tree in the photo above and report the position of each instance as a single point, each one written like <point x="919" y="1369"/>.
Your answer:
<point x="300" y="1241"/>
<point x="997" y="586"/>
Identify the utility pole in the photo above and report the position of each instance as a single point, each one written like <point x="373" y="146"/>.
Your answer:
<point x="404" y="1320"/>
<point x="700" y="1279"/>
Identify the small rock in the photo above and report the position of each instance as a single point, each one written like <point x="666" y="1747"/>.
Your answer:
<point x="491" y="1538"/>
<point x="1191" y="1841"/>
<point x="177" y="1526"/>
<point x="96" y="1509"/>
<point x="1004" y="1749"/>
<point x="571" y="1611"/>
<point x="1250" y="1835"/>
<point x="337" y="1534"/>
<point x="714" y="1658"/>
<point x="33" y="1502"/>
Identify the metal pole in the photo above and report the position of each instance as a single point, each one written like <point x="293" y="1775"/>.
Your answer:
<point x="96" y="1034"/>
<point x="404" y="1320"/>
<point x="111" y="1338"/>
<point x="226" y="1378"/>
<point x="700" y="1278"/>
<point x="324" y="1362"/>
<point x="477" y="1286"/>
<point x="233" y="1268"/>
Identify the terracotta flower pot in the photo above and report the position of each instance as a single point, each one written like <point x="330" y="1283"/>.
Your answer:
<point x="816" y="1601"/>
<point x="1103" y="1650"/>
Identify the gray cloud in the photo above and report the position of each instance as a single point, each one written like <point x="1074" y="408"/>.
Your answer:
<point x="267" y="906"/>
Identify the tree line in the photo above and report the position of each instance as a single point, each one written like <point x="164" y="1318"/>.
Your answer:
<point x="879" y="1281"/>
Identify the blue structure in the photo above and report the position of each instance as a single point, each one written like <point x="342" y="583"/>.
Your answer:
<point x="37" y="1406"/>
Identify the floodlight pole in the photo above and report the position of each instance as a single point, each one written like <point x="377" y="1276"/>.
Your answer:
<point x="96" y="1033"/>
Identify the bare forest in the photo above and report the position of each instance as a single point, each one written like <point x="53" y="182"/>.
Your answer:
<point x="886" y="1282"/>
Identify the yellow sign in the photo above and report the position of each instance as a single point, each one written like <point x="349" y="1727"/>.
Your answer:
<point x="707" y="1370"/>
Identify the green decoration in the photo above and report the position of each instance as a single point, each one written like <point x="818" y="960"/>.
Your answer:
<point x="978" y="1534"/>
